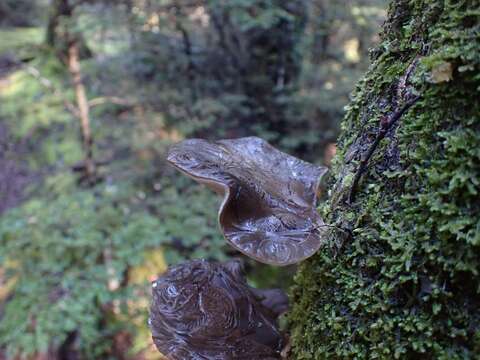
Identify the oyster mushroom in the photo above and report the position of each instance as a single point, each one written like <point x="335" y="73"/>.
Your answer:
<point x="268" y="210"/>
<point x="206" y="310"/>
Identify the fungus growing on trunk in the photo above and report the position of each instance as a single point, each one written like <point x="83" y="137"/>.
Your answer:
<point x="269" y="206"/>
<point x="204" y="310"/>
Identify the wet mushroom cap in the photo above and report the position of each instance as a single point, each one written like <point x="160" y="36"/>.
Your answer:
<point x="269" y="206"/>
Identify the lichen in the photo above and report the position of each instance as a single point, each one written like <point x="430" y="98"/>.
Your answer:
<point x="405" y="283"/>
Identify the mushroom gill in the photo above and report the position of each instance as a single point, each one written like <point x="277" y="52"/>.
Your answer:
<point x="269" y="206"/>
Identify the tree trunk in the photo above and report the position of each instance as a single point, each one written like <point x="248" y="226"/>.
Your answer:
<point x="398" y="276"/>
<point x="58" y="9"/>
<point x="59" y="30"/>
<point x="83" y="111"/>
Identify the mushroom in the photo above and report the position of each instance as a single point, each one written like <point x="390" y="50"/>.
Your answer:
<point x="206" y="310"/>
<point x="269" y="206"/>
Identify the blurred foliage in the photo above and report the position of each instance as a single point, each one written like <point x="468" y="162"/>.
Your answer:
<point x="76" y="261"/>
<point x="70" y="255"/>
<point x="18" y="39"/>
<point x="21" y="12"/>
<point x="76" y="253"/>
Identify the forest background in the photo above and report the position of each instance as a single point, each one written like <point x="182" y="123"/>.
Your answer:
<point x="92" y="93"/>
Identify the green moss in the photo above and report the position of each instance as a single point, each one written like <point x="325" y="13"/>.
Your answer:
<point x="406" y="283"/>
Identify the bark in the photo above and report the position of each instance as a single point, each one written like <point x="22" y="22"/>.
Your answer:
<point x="58" y="9"/>
<point x="187" y="46"/>
<point x="83" y="111"/>
<point x="398" y="275"/>
<point x="322" y="25"/>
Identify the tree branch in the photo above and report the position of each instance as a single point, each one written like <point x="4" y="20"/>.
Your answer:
<point x="110" y="99"/>
<point x="33" y="71"/>
<point x="386" y="123"/>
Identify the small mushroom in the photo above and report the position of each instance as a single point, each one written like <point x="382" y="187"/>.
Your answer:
<point x="206" y="310"/>
<point x="269" y="206"/>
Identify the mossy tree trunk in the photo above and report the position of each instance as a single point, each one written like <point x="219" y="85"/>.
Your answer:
<point x="399" y="276"/>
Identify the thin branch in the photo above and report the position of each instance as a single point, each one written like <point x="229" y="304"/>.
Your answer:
<point x="110" y="99"/>
<point x="83" y="108"/>
<point x="386" y="124"/>
<point x="187" y="45"/>
<point x="175" y="5"/>
<point x="48" y="84"/>
<point x="33" y="71"/>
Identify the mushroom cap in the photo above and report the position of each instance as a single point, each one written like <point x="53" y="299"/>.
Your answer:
<point x="269" y="206"/>
<point x="206" y="310"/>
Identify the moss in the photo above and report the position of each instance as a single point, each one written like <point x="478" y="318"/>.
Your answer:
<point x="405" y="283"/>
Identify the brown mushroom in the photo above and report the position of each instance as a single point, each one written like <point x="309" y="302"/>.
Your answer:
<point x="269" y="206"/>
<point x="203" y="310"/>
